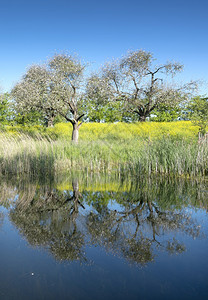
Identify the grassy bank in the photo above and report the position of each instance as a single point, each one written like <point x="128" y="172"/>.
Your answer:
<point x="43" y="156"/>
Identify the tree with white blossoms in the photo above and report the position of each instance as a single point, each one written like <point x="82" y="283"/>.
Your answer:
<point x="55" y="88"/>
<point x="139" y="83"/>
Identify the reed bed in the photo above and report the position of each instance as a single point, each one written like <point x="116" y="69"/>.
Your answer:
<point x="22" y="154"/>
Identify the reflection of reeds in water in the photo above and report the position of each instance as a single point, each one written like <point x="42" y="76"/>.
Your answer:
<point x="167" y="191"/>
<point x="41" y="156"/>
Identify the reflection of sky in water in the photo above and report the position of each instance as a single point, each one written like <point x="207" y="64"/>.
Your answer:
<point x="113" y="205"/>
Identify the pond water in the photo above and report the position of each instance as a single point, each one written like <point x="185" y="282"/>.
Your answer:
<point x="104" y="238"/>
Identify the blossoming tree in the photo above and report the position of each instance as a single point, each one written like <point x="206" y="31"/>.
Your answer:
<point x="138" y="82"/>
<point x="55" y="88"/>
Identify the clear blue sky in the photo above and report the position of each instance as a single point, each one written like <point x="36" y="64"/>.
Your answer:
<point x="32" y="31"/>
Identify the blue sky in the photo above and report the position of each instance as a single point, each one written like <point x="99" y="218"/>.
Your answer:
<point x="32" y="31"/>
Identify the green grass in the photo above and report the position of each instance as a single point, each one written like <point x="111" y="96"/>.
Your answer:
<point x="22" y="154"/>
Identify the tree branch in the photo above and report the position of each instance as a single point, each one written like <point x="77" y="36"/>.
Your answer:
<point x="80" y="117"/>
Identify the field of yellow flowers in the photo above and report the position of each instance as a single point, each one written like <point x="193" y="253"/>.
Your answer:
<point x="127" y="131"/>
<point x="113" y="131"/>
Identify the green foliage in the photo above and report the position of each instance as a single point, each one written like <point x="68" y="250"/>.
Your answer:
<point x="101" y="111"/>
<point x="28" y="118"/>
<point x="198" y="108"/>
<point x="166" y="113"/>
<point x="5" y="109"/>
<point x="32" y="118"/>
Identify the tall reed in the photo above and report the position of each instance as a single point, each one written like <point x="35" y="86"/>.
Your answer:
<point x="42" y="156"/>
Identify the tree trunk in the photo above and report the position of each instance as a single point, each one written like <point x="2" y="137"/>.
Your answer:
<point x="75" y="133"/>
<point x="75" y="185"/>
<point x="76" y="125"/>
<point x="142" y="114"/>
<point x="142" y="118"/>
<point x="50" y="122"/>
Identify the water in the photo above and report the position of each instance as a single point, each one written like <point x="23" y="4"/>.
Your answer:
<point x="104" y="238"/>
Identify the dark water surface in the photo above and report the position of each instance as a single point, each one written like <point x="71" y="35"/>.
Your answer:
<point x="104" y="238"/>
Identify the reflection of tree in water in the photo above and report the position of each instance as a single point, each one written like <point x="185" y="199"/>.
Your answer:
<point x="50" y="220"/>
<point x="135" y="234"/>
<point x="7" y="194"/>
<point x="137" y="225"/>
